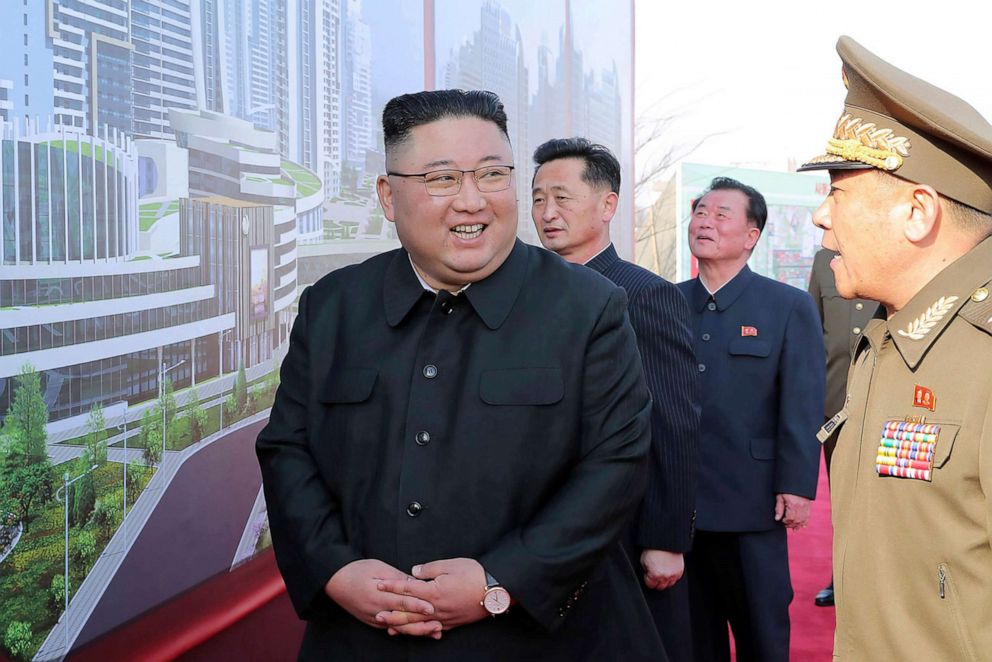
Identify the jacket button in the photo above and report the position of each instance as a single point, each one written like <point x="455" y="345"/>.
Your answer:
<point x="706" y="336"/>
<point x="711" y="305"/>
<point x="414" y="509"/>
<point x="430" y="371"/>
<point x="702" y="368"/>
<point x="446" y="307"/>
<point x="859" y="306"/>
<point x="856" y="330"/>
<point x="423" y="438"/>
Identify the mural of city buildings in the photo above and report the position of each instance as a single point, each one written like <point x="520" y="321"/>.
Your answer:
<point x="172" y="174"/>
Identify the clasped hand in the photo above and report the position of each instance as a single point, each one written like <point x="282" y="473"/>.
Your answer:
<point x="436" y="596"/>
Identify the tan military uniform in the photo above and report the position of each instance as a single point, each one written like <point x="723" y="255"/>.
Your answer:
<point x="913" y="551"/>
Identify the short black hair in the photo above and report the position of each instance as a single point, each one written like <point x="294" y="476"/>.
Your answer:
<point x="602" y="168"/>
<point x="757" y="210"/>
<point x="408" y="111"/>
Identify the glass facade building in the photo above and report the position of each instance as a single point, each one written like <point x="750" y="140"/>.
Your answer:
<point x="73" y="284"/>
<point x="66" y="197"/>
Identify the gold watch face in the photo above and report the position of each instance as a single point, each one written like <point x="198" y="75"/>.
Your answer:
<point x="496" y="600"/>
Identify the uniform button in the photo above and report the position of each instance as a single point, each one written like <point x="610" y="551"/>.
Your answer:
<point x="856" y="330"/>
<point x="706" y="336"/>
<point x="423" y="438"/>
<point x="711" y="305"/>
<point x="446" y="307"/>
<point x="414" y="509"/>
<point x="702" y="368"/>
<point x="859" y="306"/>
<point x="430" y="371"/>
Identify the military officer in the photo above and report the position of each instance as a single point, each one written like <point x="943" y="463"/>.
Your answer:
<point x="910" y="208"/>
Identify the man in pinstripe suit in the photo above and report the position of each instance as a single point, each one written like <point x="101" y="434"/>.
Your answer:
<point x="575" y="195"/>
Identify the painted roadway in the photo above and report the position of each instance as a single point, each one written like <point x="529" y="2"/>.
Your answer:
<point x="192" y="534"/>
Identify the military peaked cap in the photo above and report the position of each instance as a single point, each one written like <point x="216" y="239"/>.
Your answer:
<point x="907" y="127"/>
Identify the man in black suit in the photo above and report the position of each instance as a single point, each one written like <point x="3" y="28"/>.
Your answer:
<point x="575" y="194"/>
<point x="761" y="368"/>
<point x="461" y="430"/>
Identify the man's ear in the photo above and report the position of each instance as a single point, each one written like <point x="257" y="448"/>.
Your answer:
<point x="385" y="191"/>
<point x="610" y="203"/>
<point x="922" y="212"/>
<point x="753" y="234"/>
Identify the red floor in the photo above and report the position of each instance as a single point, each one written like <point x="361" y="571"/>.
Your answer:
<point x="168" y="626"/>
<point x="809" y="562"/>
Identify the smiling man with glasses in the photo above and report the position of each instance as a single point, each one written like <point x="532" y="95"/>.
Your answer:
<point x="461" y="431"/>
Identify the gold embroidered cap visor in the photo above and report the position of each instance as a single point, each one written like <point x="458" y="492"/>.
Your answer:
<point x="905" y="126"/>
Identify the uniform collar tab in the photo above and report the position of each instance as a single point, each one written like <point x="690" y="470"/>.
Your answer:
<point x="918" y="325"/>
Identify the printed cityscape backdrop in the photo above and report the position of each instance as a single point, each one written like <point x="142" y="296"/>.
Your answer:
<point x="172" y="174"/>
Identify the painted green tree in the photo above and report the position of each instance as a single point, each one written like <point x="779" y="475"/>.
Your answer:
<point x="197" y="416"/>
<point x="82" y="498"/>
<point x="17" y="639"/>
<point x="135" y="474"/>
<point x="27" y="418"/>
<point x="96" y="438"/>
<point x="106" y="514"/>
<point x="56" y="594"/>
<point x="271" y="383"/>
<point x="26" y="476"/>
<point x="241" y="389"/>
<point x="151" y="435"/>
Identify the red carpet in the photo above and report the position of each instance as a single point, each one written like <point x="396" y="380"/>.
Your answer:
<point x="809" y="562"/>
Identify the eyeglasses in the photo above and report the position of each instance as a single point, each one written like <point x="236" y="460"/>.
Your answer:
<point x="489" y="179"/>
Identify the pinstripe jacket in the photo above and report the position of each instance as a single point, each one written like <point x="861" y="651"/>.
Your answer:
<point x="660" y="318"/>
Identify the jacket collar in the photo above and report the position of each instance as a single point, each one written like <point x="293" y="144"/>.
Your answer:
<point x="725" y="296"/>
<point x="604" y="260"/>
<point x="492" y="298"/>
<point x="918" y="325"/>
<point x="400" y="288"/>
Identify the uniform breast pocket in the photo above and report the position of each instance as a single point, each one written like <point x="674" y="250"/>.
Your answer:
<point x="522" y="386"/>
<point x="914" y="451"/>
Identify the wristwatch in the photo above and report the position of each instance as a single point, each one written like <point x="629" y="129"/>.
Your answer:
<point x="496" y="599"/>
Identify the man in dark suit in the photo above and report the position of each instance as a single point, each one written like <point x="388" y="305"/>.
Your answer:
<point x="461" y="430"/>
<point x="575" y="194"/>
<point x="761" y="368"/>
<point x="842" y="322"/>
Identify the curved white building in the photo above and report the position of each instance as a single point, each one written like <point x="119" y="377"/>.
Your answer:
<point x="78" y="301"/>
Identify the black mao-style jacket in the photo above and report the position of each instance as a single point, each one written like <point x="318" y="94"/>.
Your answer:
<point x="508" y="424"/>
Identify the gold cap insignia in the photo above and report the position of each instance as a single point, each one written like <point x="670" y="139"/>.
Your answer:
<point x="886" y="108"/>
<point x="857" y="140"/>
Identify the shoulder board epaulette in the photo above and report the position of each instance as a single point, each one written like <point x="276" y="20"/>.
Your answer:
<point x="978" y="308"/>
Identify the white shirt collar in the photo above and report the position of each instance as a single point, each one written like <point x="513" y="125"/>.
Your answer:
<point x="424" y="283"/>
